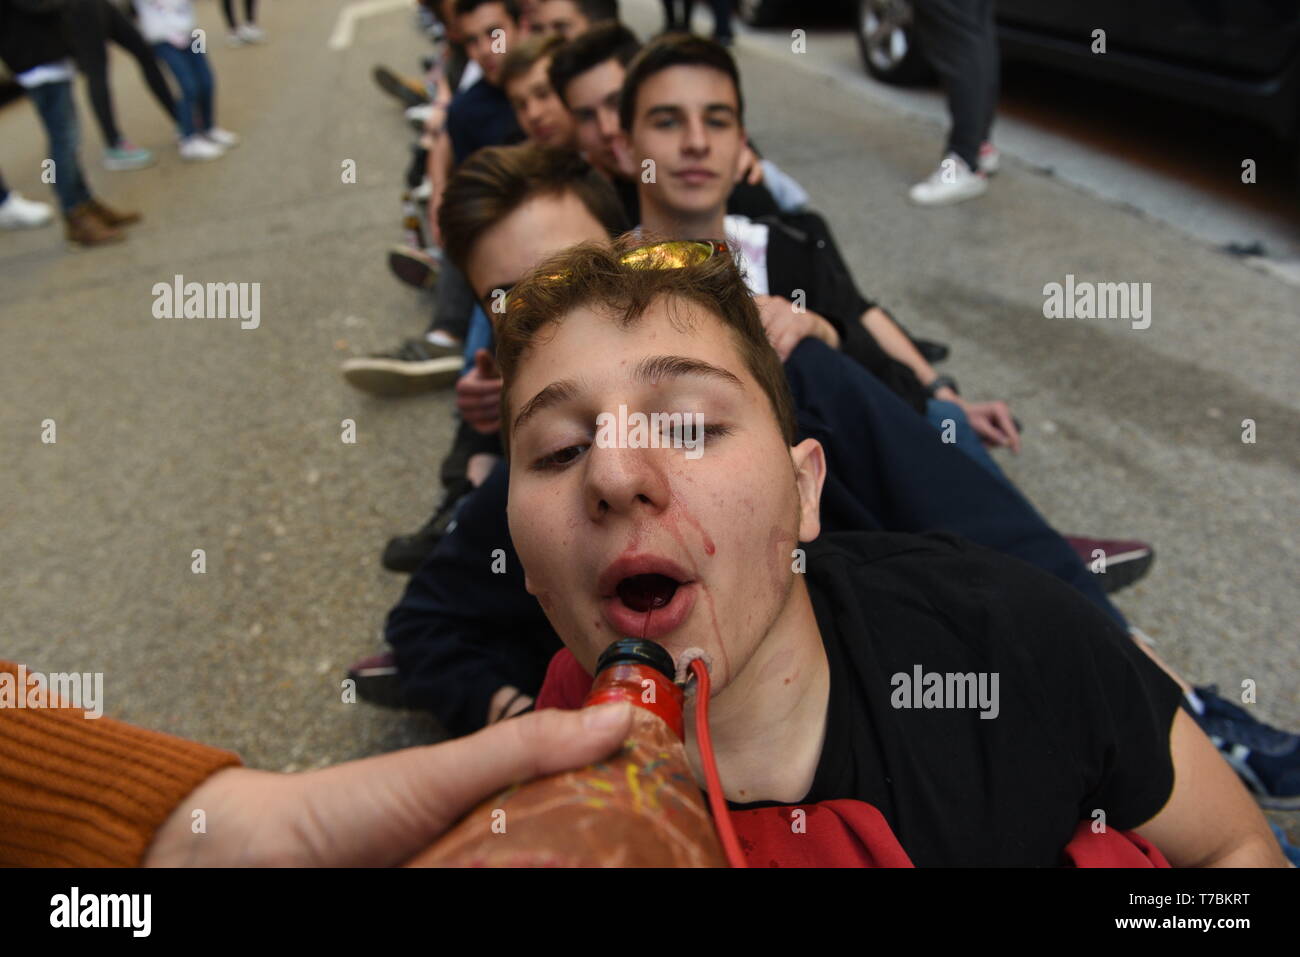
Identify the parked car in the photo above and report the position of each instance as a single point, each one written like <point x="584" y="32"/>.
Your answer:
<point x="1239" y="57"/>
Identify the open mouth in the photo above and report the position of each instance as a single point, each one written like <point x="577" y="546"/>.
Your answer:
<point x="647" y="592"/>
<point x="647" y="597"/>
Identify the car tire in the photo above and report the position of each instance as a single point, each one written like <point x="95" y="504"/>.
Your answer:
<point x="763" y="13"/>
<point x="887" y="40"/>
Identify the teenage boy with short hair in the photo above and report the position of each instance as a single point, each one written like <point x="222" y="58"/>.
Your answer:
<point x="682" y="110"/>
<point x="587" y="74"/>
<point x="539" y="111"/>
<point x="809" y="660"/>
<point x="567" y="19"/>
<point x="505" y="210"/>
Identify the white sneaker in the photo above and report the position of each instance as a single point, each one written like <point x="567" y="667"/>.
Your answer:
<point x="19" y="213"/>
<point x="234" y="40"/>
<point x="197" y="148"/>
<point x="223" y="138"/>
<point x="251" y="33"/>
<point x="952" y="182"/>
<point x="990" y="158"/>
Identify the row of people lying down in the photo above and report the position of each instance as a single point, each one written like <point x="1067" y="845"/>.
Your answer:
<point x="470" y="642"/>
<point x="1083" y="754"/>
<point x="564" y="95"/>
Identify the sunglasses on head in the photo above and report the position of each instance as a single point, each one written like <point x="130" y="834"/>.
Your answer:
<point x="669" y="254"/>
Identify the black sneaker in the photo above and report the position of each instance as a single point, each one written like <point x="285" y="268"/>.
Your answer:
<point x="418" y="366"/>
<point x="376" y="680"/>
<point x="1124" y="561"/>
<point x="410" y="92"/>
<point x="405" y="552"/>
<point x="414" y="267"/>
<point x="1267" y="759"/>
<point x="931" y="351"/>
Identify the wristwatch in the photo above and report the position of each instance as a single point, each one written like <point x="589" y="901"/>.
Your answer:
<point x="939" y="383"/>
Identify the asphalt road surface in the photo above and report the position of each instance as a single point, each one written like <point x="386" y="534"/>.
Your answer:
<point x="180" y="434"/>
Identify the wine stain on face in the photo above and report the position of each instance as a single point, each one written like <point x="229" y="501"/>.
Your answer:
<point x="676" y="512"/>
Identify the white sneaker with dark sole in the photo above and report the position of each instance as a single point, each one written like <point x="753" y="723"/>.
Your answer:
<point x="952" y="182"/>
<point x="418" y="366"/>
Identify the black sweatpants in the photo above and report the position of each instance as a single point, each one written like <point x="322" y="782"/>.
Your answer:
<point x="89" y="25"/>
<point x="960" y="40"/>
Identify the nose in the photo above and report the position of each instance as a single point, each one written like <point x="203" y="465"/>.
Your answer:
<point x="697" y="140"/>
<point x="626" y="483"/>
<point x="608" y="120"/>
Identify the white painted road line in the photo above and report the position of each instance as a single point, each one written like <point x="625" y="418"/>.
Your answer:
<point x="346" y="25"/>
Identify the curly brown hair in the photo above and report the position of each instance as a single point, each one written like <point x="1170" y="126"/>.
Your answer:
<point x="596" y="274"/>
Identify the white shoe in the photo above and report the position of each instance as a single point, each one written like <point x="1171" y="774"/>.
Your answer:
<point x="990" y="158"/>
<point x="419" y="114"/>
<point x="19" y="213"/>
<point x="223" y="138"/>
<point x="234" y="40"/>
<point x="952" y="182"/>
<point x="251" y="33"/>
<point x="197" y="148"/>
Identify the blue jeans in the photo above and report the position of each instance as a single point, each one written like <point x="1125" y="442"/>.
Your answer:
<point x="59" y="115"/>
<point x="966" y="438"/>
<point x="195" y="79"/>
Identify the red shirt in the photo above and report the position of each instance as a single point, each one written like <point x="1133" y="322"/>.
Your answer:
<point x="845" y="832"/>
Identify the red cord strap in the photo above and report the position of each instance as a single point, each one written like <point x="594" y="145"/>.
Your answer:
<point x="717" y="803"/>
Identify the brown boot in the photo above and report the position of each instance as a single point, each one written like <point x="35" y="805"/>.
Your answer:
<point x="86" y="229"/>
<point x="111" y="217"/>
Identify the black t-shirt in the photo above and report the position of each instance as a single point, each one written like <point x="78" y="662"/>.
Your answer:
<point x="1082" y="721"/>
<point x="478" y="117"/>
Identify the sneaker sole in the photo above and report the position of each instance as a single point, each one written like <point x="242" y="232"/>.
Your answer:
<point x="123" y="166"/>
<point x="391" y="85"/>
<point x="15" y="227"/>
<point x="378" y="686"/>
<point x="411" y="270"/>
<point x="1125" y="569"/>
<point x="388" y="377"/>
<point x="949" y="200"/>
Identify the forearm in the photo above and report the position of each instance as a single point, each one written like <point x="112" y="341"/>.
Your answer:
<point x="896" y="343"/>
<point x="826" y="332"/>
<point x="90" y="792"/>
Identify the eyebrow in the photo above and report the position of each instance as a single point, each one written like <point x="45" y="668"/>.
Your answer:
<point x="673" y="109"/>
<point x="650" y="369"/>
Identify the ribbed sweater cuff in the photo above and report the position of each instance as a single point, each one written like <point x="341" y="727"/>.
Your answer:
<point x="89" y="792"/>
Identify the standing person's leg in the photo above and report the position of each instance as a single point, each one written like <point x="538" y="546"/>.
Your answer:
<point x="952" y="35"/>
<point x="670" y="15"/>
<point x="250" y="11"/>
<point x="58" y="113"/>
<point x="189" y="69"/>
<point x="86" y="33"/>
<point x="228" y="10"/>
<point x="55" y="106"/>
<point x="722" y="21"/>
<point x="205" y="90"/>
<point x="124" y="34"/>
<point x="991" y="60"/>
<point x="178" y="61"/>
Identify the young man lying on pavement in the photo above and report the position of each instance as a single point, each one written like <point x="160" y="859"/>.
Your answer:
<point x="811" y="641"/>
<point x="469" y="642"/>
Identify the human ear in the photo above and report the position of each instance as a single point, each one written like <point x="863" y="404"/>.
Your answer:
<point x="809" y="460"/>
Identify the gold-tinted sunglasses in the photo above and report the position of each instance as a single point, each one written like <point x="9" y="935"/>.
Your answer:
<point x="669" y="254"/>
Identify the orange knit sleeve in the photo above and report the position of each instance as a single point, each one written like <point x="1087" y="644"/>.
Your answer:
<point x="87" y="792"/>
